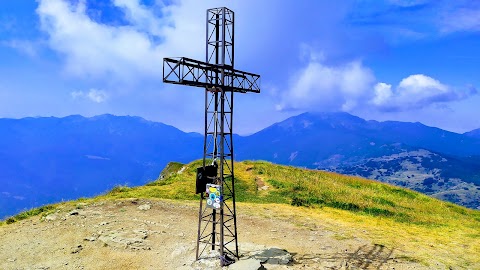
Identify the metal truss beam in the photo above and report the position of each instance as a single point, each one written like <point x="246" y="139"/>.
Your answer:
<point x="186" y="71"/>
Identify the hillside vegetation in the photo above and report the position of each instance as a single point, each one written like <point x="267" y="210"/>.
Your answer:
<point x="389" y="216"/>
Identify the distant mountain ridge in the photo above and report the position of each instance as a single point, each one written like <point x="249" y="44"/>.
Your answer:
<point x="430" y="160"/>
<point x="474" y="133"/>
<point x="329" y="126"/>
<point x="50" y="159"/>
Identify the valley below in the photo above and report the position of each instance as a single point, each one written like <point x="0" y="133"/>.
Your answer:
<point x="430" y="173"/>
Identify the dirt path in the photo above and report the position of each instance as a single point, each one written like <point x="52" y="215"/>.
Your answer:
<point x="120" y="235"/>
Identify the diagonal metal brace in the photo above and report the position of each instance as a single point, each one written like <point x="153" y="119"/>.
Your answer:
<point x="186" y="71"/>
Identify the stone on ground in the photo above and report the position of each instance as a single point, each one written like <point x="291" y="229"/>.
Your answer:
<point x="248" y="264"/>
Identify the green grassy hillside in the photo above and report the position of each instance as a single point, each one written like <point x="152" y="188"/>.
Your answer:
<point x="309" y="188"/>
<point x="387" y="215"/>
<point x="392" y="216"/>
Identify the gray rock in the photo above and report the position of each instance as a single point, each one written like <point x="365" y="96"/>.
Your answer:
<point x="248" y="264"/>
<point x="144" y="207"/>
<point x="179" y="251"/>
<point x="209" y="260"/>
<point x="76" y="249"/>
<point x="134" y="240"/>
<point x="81" y="205"/>
<point x="51" y="217"/>
<point x="273" y="256"/>
<point x="143" y="234"/>
<point x="91" y="239"/>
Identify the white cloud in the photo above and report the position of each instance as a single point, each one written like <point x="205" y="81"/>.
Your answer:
<point x="97" y="96"/>
<point x="352" y="86"/>
<point x="135" y="51"/>
<point x="383" y="93"/>
<point x="141" y="17"/>
<point x="94" y="95"/>
<point x="463" y="19"/>
<point x="23" y="46"/>
<point x="77" y="94"/>
<point x="415" y="92"/>
<point x="127" y="52"/>
<point x="322" y="87"/>
<point x="93" y="49"/>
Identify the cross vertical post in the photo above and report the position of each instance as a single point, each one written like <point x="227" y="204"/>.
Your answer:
<point x="217" y="220"/>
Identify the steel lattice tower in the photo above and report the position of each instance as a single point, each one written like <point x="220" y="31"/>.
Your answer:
<point x="217" y="225"/>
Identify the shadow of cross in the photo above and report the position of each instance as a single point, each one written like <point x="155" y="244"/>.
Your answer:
<point x="373" y="257"/>
<point x="365" y="257"/>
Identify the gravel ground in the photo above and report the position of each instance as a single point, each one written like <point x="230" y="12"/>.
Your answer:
<point x="143" y="234"/>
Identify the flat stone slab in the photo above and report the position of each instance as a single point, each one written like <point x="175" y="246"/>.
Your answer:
<point x="144" y="207"/>
<point x="248" y="264"/>
<point x="272" y="256"/>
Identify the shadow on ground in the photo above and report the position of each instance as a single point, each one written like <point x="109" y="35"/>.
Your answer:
<point x="365" y="257"/>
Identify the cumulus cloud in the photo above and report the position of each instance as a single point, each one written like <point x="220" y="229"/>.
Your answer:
<point x="91" y="48"/>
<point x="94" y="95"/>
<point x="141" y="17"/>
<point x="383" y="93"/>
<point x="125" y="52"/>
<point x="415" y="92"/>
<point x="319" y="86"/>
<point x="351" y="86"/>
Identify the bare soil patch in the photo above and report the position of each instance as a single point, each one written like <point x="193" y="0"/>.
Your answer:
<point x="161" y="234"/>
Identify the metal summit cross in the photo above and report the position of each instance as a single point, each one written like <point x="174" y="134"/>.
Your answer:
<point x="217" y="220"/>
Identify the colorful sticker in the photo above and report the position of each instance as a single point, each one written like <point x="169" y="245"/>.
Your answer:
<point x="214" y="196"/>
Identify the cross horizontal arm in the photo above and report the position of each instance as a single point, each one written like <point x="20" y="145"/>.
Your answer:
<point x="186" y="71"/>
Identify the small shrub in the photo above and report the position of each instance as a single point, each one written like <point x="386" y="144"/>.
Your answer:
<point x="403" y="218"/>
<point x="10" y="220"/>
<point x="355" y="185"/>
<point x="297" y="201"/>
<point x="384" y="201"/>
<point x="299" y="187"/>
<point x="404" y="193"/>
<point x="276" y="184"/>
<point x="118" y="190"/>
<point x="29" y="213"/>
<point x="344" y="206"/>
<point x="460" y="210"/>
<point x="152" y="184"/>
<point x="378" y="212"/>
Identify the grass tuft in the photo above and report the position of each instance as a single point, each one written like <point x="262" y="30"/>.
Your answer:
<point x="119" y="189"/>
<point x="30" y="213"/>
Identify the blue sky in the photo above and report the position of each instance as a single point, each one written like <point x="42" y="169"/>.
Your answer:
<point x="406" y="60"/>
